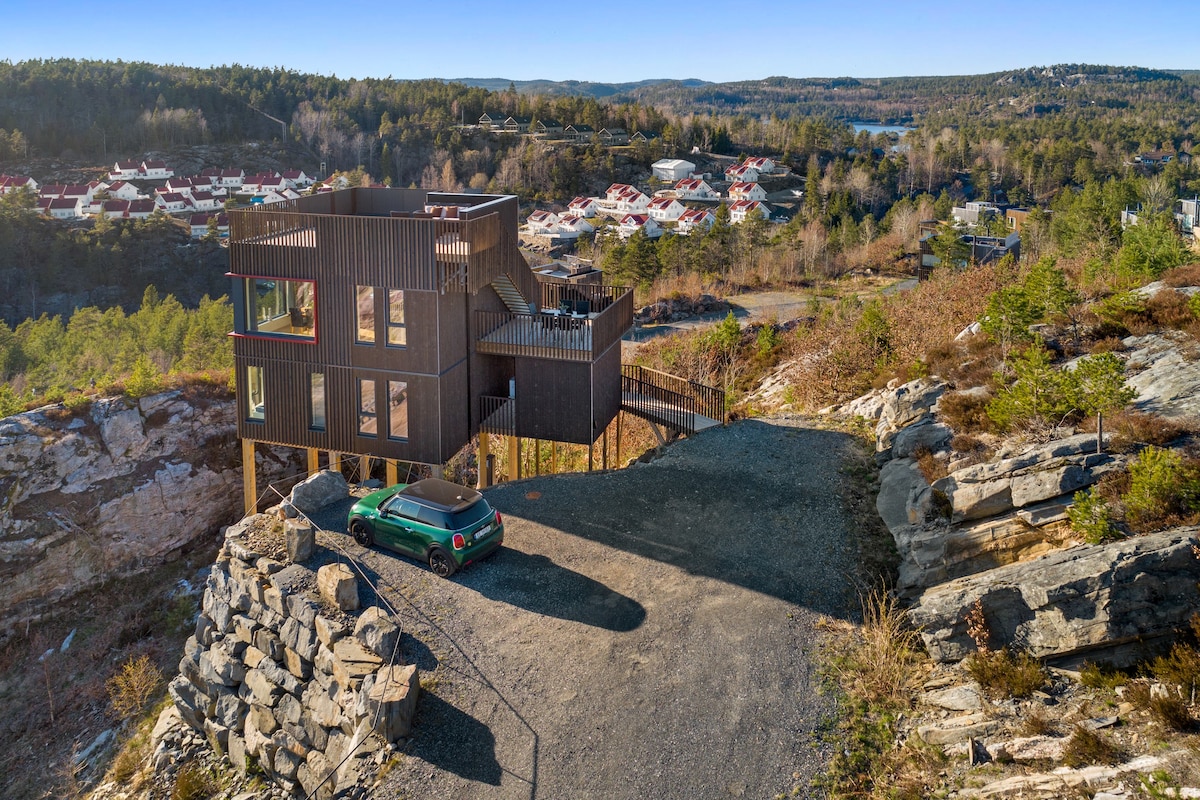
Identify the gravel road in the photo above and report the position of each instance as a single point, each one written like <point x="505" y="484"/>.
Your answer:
<point x="643" y="633"/>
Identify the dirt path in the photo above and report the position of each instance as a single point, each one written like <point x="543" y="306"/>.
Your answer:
<point x="644" y="633"/>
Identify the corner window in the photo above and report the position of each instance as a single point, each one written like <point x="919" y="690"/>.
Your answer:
<point x="365" y="313"/>
<point x="396" y="332"/>
<point x="255" y="408"/>
<point x="316" y="401"/>
<point x="279" y="307"/>
<point x="368" y="418"/>
<point x="397" y="410"/>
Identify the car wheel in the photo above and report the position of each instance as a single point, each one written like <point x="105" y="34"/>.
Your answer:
<point x="361" y="532"/>
<point x="441" y="563"/>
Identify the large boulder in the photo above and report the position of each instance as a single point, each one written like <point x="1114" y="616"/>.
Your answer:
<point x="1115" y="602"/>
<point x="318" y="491"/>
<point x="1166" y="379"/>
<point x="903" y="406"/>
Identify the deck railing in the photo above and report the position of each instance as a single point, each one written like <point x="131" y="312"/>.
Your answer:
<point x="669" y="399"/>
<point x="565" y="337"/>
<point x="497" y="415"/>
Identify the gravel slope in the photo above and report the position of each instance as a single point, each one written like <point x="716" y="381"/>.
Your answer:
<point x="644" y="633"/>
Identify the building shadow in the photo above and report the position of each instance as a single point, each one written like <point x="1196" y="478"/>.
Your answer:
<point x="455" y="741"/>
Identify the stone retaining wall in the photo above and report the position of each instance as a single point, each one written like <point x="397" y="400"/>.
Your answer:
<point x="286" y="671"/>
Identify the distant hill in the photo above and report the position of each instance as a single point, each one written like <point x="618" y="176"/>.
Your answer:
<point x="583" y="88"/>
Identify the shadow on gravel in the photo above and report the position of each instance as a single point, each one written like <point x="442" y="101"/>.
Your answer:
<point x="537" y="584"/>
<point x="455" y="741"/>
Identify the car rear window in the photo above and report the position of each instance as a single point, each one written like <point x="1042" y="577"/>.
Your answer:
<point x="472" y="515"/>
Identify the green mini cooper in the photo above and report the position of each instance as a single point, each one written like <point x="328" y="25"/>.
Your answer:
<point x="444" y="524"/>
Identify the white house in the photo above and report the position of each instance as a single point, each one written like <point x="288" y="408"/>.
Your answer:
<point x="125" y="170"/>
<point x="672" y="169"/>
<point x="764" y="165"/>
<point x="199" y="224"/>
<point x="623" y="197"/>
<point x="631" y="223"/>
<point x="139" y="209"/>
<point x="180" y="185"/>
<point x="695" y="218"/>
<point x="696" y="189"/>
<point x="252" y="184"/>
<point x="123" y="190"/>
<point x="541" y="221"/>
<point x="65" y="208"/>
<point x="13" y="183"/>
<point x="205" y="201"/>
<point x="747" y="191"/>
<point x="296" y="179"/>
<point x="230" y="178"/>
<point x="570" y="226"/>
<point x="583" y="206"/>
<point x="155" y="170"/>
<point x="114" y="209"/>
<point x="173" y="203"/>
<point x="665" y="209"/>
<point x="744" y="209"/>
<point x="742" y="173"/>
<point x="272" y="183"/>
<point x="77" y="191"/>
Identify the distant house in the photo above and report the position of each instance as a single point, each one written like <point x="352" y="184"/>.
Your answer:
<point x="742" y="173"/>
<point x="122" y="190"/>
<point x="583" y="206"/>
<point x="975" y="212"/>
<point x="984" y="249"/>
<point x="77" y="191"/>
<point x="580" y="133"/>
<point x="643" y="137"/>
<point x="614" y="137"/>
<point x="665" y="209"/>
<point x="13" y="183"/>
<point x="693" y="218"/>
<point x="490" y="121"/>
<point x="517" y="124"/>
<point x="1155" y="158"/>
<point x="548" y="127"/>
<point x="747" y="191"/>
<point x="541" y="221"/>
<point x="155" y="170"/>
<point x="625" y="198"/>
<point x="764" y="165"/>
<point x="743" y="210"/>
<point x="631" y="223"/>
<point x="696" y="189"/>
<point x="296" y="179"/>
<point x="252" y="184"/>
<point x="672" y="169"/>
<point x="115" y="209"/>
<point x="210" y="172"/>
<point x="205" y="201"/>
<point x="570" y="226"/>
<point x="125" y="170"/>
<point x="231" y="178"/>
<point x="64" y="208"/>
<point x="139" y="209"/>
<point x="199" y="224"/>
<point x="173" y="203"/>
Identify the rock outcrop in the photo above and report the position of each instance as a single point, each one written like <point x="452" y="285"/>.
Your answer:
<point x="274" y="674"/>
<point x="112" y="489"/>
<point x="1108" y="603"/>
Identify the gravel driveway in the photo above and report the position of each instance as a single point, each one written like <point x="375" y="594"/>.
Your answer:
<point x="644" y="633"/>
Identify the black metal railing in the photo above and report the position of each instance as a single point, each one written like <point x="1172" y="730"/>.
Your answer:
<point x="577" y="334"/>
<point x="676" y="402"/>
<point x="497" y="415"/>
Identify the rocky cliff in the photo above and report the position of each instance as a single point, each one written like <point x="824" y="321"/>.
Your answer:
<point x="113" y="488"/>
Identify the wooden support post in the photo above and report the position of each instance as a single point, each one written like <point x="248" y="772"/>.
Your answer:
<point x="314" y="460"/>
<point x="364" y="469"/>
<point x="437" y="471"/>
<point x="335" y="461"/>
<point x="393" y="471"/>
<point x="591" y="454"/>
<point x="484" y="443"/>
<point x="514" y="457"/>
<point x="249" y="480"/>
<point x="619" y="439"/>
<point x="554" y="457"/>
<point x="604" y="450"/>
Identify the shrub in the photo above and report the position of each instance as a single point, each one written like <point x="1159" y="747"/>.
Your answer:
<point x="1131" y="428"/>
<point x="1038" y="724"/>
<point x="1179" y="668"/>
<point x="1002" y="674"/>
<point x="1171" y="712"/>
<point x="193" y="783"/>
<point x="1170" y="309"/>
<point x="1086" y="747"/>
<point x="1109" y="344"/>
<point x="144" y="380"/>
<point x="1095" y="676"/>
<point x="930" y="465"/>
<point x="131" y="689"/>
<point x="1040" y="395"/>
<point x="1091" y="518"/>
<point x="965" y="412"/>
<point x="1161" y="488"/>
<point x="1187" y="275"/>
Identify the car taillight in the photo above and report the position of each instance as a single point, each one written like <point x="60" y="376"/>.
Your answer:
<point x="459" y="541"/>
<point x="498" y="520"/>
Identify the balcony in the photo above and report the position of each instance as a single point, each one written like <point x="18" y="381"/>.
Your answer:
<point x="577" y="323"/>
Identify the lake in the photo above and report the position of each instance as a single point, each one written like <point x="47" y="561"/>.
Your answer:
<point x="874" y="129"/>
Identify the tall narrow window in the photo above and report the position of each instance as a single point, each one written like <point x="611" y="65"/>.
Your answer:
<point x="396" y="332"/>
<point x="397" y="410"/>
<point x="365" y="303"/>
<point x="254" y="394"/>
<point x="317" y="401"/>
<point x="368" y="420"/>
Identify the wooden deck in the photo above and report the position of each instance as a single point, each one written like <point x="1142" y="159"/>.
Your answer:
<point x="665" y="412"/>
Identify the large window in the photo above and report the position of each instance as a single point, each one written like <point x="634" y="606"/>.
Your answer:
<point x="255" y="407"/>
<point x="397" y="335"/>
<point x="368" y="417"/>
<point x="317" y="401"/>
<point x="365" y="313"/>
<point x="279" y="307"/>
<point x="397" y="410"/>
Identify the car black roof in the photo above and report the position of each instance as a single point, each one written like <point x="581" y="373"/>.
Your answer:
<point x="441" y="495"/>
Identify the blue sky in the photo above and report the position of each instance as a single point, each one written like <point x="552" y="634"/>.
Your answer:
<point x="607" y="42"/>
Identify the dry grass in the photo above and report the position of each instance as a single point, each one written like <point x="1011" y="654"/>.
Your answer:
<point x="1037" y="723"/>
<point x="1087" y="747"/>
<point x="1131" y="429"/>
<point x="965" y="413"/>
<point x="882" y="668"/>
<point x="1187" y="275"/>
<point x="932" y="467"/>
<point x="1003" y="675"/>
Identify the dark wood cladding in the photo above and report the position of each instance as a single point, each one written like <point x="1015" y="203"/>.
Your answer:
<point x="554" y="400"/>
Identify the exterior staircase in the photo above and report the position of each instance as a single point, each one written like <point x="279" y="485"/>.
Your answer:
<point x="512" y="296"/>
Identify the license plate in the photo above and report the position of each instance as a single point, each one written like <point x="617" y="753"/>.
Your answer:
<point x="483" y="532"/>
